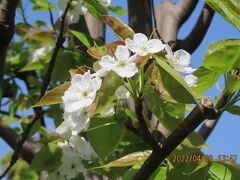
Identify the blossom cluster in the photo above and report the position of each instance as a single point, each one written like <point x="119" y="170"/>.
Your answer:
<point x="80" y="98"/>
<point x="77" y="8"/>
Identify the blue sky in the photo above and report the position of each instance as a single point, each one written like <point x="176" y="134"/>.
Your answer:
<point x="224" y="138"/>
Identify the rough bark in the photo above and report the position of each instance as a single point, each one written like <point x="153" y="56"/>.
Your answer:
<point x="139" y="16"/>
<point x="7" y="20"/>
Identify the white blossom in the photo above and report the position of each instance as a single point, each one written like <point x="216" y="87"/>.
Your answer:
<point x="83" y="147"/>
<point x="99" y="70"/>
<point x="179" y="60"/>
<point x="108" y="111"/>
<point x="142" y="46"/>
<point x="71" y="166"/>
<point x="81" y="93"/>
<point x="74" y="11"/>
<point x="52" y="176"/>
<point x="65" y="129"/>
<point x="40" y="53"/>
<point x="105" y="3"/>
<point x="122" y="93"/>
<point x="191" y="80"/>
<point x="123" y="64"/>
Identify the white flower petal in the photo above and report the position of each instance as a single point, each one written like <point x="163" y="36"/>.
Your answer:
<point x="191" y="80"/>
<point x="108" y="62"/>
<point x="128" y="71"/>
<point x="139" y="37"/>
<point x="183" y="57"/>
<point x="131" y="45"/>
<point x="122" y="52"/>
<point x="156" y="45"/>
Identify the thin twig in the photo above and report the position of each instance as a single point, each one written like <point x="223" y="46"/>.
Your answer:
<point x="45" y="84"/>
<point x="7" y="113"/>
<point x="51" y="19"/>
<point x="144" y="131"/>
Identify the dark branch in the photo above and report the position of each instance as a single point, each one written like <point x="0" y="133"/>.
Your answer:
<point x="191" y="122"/>
<point x="38" y="111"/>
<point x="9" y="136"/>
<point x="144" y="131"/>
<point x="7" y="21"/>
<point x="209" y="125"/>
<point x="139" y="16"/>
<point x="193" y="40"/>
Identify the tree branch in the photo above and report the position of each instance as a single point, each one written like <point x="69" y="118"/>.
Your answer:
<point x="144" y="131"/>
<point x="7" y="21"/>
<point x="209" y="125"/>
<point x="191" y="122"/>
<point x="139" y="16"/>
<point x="170" y="17"/>
<point x="193" y="40"/>
<point x="9" y="136"/>
<point x="38" y="111"/>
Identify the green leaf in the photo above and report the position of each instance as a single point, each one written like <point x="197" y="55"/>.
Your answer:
<point x="206" y="79"/>
<point x="107" y="91"/>
<point x="223" y="171"/>
<point x="195" y="140"/>
<point x="48" y="158"/>
<point x="159" y="174"/>
<point x="229" y="9"/>
<point x="42" y="5"/>
<point x="54" y="96"/>
<point x="171" y="83"/>
<point x="157" y="106"/>
<point x="130" y="159"/>
<point x="33" y="66"/>
<point x="121" y="30"/>
<point x="84" y="38"/>
<point x="95" y="8"/>
<point x="232" y="83"/>
<point x="222" y="56"/>
<point x="234" y="110"/>
<point x="117" y="10"/>
<point x="104" y="139"/>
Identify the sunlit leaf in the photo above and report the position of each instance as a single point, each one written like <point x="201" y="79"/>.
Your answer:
<point x="95" y="8"/>
<point x="232" y="83"/>
<point x="234" y="110"/>
<point x="84" y="38"/>
<point x="117" y="10"/>
<point x="99" y="51"/>
<point x="223" y="171"/>
<point x="226" y="53"/>
<point x="229" y="9"/>
<point x="54" y="96"/>
<point x="169" y="83"/>
<point x="130" y="159"/>
<point x="206" y="79"/>
<point x="121" y="30"/>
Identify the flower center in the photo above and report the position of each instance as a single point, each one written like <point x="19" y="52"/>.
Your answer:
<point x="73" y="166"/>
<point x="85" y="93"/>
<point x="122" y="63"/>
